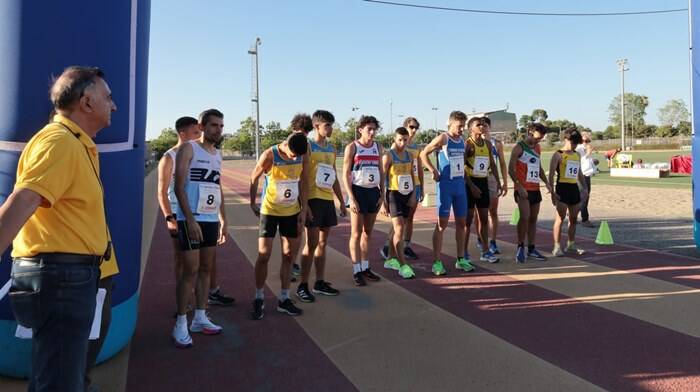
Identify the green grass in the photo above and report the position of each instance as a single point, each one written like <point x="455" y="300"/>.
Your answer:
<point x="676" y="181"/>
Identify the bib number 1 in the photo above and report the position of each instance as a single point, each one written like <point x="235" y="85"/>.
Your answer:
<point x="456" y="166"/>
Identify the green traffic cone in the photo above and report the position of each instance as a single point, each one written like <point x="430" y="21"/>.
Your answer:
<point x="515" y="218"/>
<point x="604" y="235"/>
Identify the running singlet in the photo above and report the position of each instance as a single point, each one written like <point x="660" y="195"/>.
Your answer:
<point x="494" y="152"/>
<point x="322" y="173"/>
<point x="568" y="169"/>
<point x="451" y="161"/>
<point x="281" y="196"/>
<point x="478" y="165"/>
<point x="415" y="152"/>
<point x="202" y="185"/>
<point x="527" y="168"/>
<point x="365" y="167"/>
<point x="171" y="188"/>
<point x="400" y="172"/>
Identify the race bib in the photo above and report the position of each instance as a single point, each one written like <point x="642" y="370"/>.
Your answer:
<point x="572" y="168"/>
<point x="456" y="166"/>
<point x="481" y="166"/>
<point x="325" y="176"/>
<point x="533" y="174"/>
<point x="369" y="176"/>
<point x="405" y="184"/>
<point x="287" y="191"/>
<point x="209" y="198"/>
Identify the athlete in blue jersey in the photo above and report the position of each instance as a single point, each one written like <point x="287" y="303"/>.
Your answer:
<point x="451" y="192"/>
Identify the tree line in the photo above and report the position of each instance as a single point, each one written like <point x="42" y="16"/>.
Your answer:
<point x="674" y="120"/>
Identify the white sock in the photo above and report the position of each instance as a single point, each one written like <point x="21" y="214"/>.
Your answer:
<point x="259" y="293"/>
<point x="214" y="290"/>
<point x="356" y="267"/>
<point x="284" y="295"/>
<point x="200" y="314"/>
<point x="364" y="264"/>
<point x="181" y="320"/>
<point x="406" y="243"/>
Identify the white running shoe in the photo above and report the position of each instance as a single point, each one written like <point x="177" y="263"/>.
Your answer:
<point x="205" y="327"/>
<point x="181" y="337"/>
<point x="571" y="247"/>
<point x="556" y="252"/>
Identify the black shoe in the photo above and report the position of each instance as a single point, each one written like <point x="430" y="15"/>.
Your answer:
<point x="323" y="287"/>
<point x="296" y="270"/>
<point x="288" y="307"/>
<point x="359" y="279"/>
<point x="304" y="294"/>
<point x="384" y="252"/>
<point x="408" y="252"/>
<point x="216" y="298"/>
<point x="371" y="275"/>
<point x="258" y="309"/>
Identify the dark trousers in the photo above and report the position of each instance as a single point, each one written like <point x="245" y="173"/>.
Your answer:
<point x="57" y="301"/>
<point x="584" y="203"/>
<point x="94" y="346"/>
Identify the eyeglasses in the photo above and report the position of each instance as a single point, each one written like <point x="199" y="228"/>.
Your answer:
<point x="412" y="127"/>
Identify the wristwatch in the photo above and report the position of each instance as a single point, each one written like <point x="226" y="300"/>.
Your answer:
<point x="171" y="218"/>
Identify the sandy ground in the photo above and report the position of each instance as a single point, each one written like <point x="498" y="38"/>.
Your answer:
<point x="653" y="218"/>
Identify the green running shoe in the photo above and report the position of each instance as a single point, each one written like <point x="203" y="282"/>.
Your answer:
<point x="406" y="272"/>
<point x="464" y="264"/>
<point x="392" y="263"/>
<point x="438" y="268"/>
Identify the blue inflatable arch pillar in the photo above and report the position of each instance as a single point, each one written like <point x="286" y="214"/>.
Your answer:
<point x="38" y="39"/>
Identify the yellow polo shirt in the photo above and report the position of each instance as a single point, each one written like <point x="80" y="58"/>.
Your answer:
<point x="63" y="167"/>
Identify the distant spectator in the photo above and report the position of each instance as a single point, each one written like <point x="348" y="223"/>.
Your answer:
<point x="589" y="167"/>
<point x="610" y="154"/>
<point x="639" y="164"/>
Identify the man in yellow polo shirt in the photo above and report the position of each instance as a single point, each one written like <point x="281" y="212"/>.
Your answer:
<point x="56" y="216"/>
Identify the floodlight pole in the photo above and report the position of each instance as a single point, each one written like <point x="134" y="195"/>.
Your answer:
<point x="435" y="109"/>
<point x="256" y="97"/>
<point x="622" y="63"/>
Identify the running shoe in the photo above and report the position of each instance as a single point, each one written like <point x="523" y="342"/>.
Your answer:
<point x="438" y="268"/>
<point x="218" y="298"/>
<point x="304" y="294"/>
<point x="181" y="336"/>
<point x="535" y="254"/>
<point x="464" y="264"/>
<point x="556" y="252"/>
<point x="520" y="254"/>
<point x="369" y="275"/>
<point x="494" y="248"/>
<point x="296" y="270"/>
<point x="384" y="252"/>
<point x="406" y="272"/>
<point x="489" y="257"/>
<point x="324" y="288"/>
<point x="287" y="306"/>
<point x="359" y="279"/>
<point x="408" y="252"/>
<point x="205" y="326"/>
<point x="479" y="245"/>
<point x="258" y="309"/>
<point x="571" y="247"/>
<point x="392" y="263"/>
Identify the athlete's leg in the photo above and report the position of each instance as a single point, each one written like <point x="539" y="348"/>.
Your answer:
<point x="290" y="246"/>
<point x="207" y="258"/>
<point x="532" y="223"/>
<point x="573" y="214"/>
<point x="558" y="220"/>
<point x="493" y="213"/>
<point x="367" y="227"/>
<point x="308" y="254"/>
<point x="438" y="234"/>
<point x="264" y="250"/>
<point x="397" y="240"/>
<point x="320" y="253"/>
<point x="188" y="280"/>
<point x="356" y="223"/>
<point x="524" y="222"/>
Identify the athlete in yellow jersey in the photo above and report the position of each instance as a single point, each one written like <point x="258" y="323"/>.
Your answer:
<point x="478" y="161"/>
<point x="399" y="200"/>
<point x="412" y="125"/>
<point x="284" y="207"/>
<point x="301" y="122"/>
<point x="569" y="190"/>
<point x="322" y="183"/>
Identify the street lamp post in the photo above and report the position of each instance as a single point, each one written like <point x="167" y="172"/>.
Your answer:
<point x="354" y="109"/>
<point x="622" y="63"/>
<point x="256" y="97"/>
<point x="435" y="109"/>
<point x="391" y="115"/>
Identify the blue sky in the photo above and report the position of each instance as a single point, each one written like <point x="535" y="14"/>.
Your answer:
<point x="336" y="54"/>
